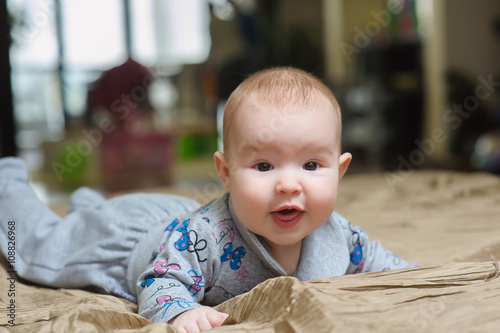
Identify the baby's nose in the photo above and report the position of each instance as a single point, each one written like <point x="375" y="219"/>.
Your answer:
<point x="288" y="183"/>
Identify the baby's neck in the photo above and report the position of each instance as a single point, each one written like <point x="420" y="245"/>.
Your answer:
<point x="287" y="256"/>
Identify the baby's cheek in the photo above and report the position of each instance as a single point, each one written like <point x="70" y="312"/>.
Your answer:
<point x="248" y="200"/>
<point x="323" y="201"/>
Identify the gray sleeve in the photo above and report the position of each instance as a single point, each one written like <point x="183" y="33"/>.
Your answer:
<point x="176" y="279"/>
<point x="366" y="255"/>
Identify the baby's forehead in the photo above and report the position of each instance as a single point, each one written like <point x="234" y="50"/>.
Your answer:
<point x="316" y="108"/>
<point x="277" y="123"/>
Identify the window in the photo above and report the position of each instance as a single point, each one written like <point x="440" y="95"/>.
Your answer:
<point x="60" y="47"/>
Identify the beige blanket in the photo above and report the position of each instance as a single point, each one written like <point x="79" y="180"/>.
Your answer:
<point x="448" y="222"/>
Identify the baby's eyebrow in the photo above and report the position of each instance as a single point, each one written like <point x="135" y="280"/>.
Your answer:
<point x="321" y="148"/>
<point x="248" y="149"/>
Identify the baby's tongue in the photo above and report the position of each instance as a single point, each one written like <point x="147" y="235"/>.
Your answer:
<point x="287" y="214"/>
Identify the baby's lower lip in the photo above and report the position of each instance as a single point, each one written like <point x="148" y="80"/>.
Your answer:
<point x="287" y="218"/>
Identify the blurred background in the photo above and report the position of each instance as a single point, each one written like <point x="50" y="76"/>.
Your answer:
<point x="126" y="94"/>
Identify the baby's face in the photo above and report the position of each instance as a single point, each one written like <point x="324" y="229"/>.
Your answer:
<point x="284" y="168"/>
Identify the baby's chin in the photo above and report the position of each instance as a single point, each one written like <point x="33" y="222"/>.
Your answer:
<point x="282" y="242"/>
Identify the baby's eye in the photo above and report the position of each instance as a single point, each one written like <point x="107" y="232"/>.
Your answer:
<point x="311" y="166"/>
<point x="263" y="167"/>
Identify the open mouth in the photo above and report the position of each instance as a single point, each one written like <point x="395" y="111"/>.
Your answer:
<point x="287" y="217"/>
<point x="287" y="211"/>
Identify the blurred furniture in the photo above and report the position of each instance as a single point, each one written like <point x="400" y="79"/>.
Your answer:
<point x="384" y="106"/>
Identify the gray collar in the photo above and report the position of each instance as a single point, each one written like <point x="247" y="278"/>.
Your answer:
<point x="324" y="252"/>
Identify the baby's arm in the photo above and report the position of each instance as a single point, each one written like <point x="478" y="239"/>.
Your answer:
<point x="172" y="287"/>
<point x="167" y="293"/>
<point x="366" y="255"/>
<point x="198" y="320"/>
<point x="167" y="288"/>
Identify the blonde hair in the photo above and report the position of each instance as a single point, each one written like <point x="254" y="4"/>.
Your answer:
<point x="277" y="87"/>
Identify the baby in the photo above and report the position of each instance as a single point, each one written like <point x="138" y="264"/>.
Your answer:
<point x="281" y="166"/>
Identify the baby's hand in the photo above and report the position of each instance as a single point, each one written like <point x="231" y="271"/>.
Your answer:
<point x="198" y="319"/>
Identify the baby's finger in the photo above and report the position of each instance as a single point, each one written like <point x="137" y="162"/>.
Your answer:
<point x="216" y="318"/>
<point x="191" y="327"/>
<point x="204" y="324"/>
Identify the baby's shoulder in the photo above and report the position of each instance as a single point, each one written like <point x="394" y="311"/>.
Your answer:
<point x="338" y="222"/>
<point x="337" y="218"/>
<point x="349" y="231"/>
<point x="341" y="224"/>
<point x="206" y="217"/>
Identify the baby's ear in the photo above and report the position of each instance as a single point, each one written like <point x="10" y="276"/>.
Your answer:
<point x="222" y="168"/>
<point x="344" y="161"/>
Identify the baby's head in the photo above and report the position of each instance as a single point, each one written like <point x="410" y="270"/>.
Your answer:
<point x="283" y="89"/>
<point x="282" y="162"/>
